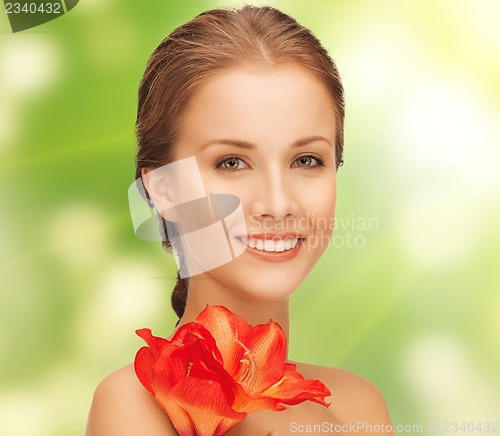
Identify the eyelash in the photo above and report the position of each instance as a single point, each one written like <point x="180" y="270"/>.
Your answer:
<point x="218" y="165"/>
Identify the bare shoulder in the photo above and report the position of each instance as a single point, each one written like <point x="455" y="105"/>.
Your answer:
<point x="354" y="399"/>
<point x="121" y="406"/>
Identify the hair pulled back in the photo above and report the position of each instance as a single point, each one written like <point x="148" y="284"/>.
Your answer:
<point x="210" y="42"/>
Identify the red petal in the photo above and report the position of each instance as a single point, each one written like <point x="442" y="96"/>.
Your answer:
<point x="143" y="365"/>
<point x="155" y="343"/>
<point x="246" y="403"/>
<point x="267" y="343"/>
<point x="294" y="389"/>
<point x="193" y="332"/>
<point x="170" y="367"/>
<point x="227" y="328"/>
<point x="176" y="363"/>
<point x="179" y="417"/>
<point x="146" y="356"/>
<point x="205" y="403"/>
<point x="206" y="367"/>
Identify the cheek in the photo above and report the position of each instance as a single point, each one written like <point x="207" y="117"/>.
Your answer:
<point x="318" y="200"/>
<point x="239" y="188"/>
<point x="321" y="221"/>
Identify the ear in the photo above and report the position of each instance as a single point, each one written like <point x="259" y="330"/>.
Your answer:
<point x="173" y="184"/>
<point x="159" y="190"/>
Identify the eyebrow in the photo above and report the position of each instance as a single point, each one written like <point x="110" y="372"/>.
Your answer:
<point x="249" y="145"/>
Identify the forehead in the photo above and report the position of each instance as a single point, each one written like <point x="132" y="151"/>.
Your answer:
<point x="280" y="103"/>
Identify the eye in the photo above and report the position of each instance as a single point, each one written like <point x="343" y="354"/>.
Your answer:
<point x="308" y="161"/>
<point x="231" y="163"/>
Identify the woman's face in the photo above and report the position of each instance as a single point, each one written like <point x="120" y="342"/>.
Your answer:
<point x="268" y="137"/>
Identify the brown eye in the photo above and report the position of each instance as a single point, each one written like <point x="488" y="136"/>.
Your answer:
<point x="304" y="161"/>
<point x="308" y="161"/>
<point x="232" y="163"/>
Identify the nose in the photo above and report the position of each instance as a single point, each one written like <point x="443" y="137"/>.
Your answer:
<point x="274" y="196"/>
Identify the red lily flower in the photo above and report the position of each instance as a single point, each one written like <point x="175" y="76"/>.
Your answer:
<point x="255" y="358"/>
<point x="216" y="370"/>
<point x="188" y="381"/>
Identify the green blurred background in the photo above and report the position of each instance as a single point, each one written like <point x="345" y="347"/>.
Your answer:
<point x="412" y="303"/>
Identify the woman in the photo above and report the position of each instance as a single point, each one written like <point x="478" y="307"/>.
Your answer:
<point x="256" y="99"/>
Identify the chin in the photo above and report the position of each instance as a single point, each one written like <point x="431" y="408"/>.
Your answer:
<point x="268" y="292"/>
<point x="266" y="286"/>
<point x="262" y="281"/>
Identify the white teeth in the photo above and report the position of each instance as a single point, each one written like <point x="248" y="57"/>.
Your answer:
<point x="270" y="245"/>
<point x="279" y="246"/>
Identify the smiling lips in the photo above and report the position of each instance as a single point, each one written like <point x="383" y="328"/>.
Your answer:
<point x="273" y="247"/>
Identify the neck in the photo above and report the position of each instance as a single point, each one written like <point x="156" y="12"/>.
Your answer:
<point x="203" y="291"/>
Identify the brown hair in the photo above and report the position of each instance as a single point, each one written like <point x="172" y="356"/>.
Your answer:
<point x="212" y="41"/>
